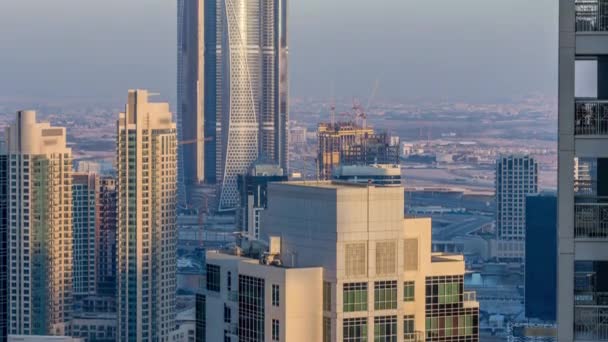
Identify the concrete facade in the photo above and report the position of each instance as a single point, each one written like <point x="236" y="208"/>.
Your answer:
<point x="147" y="229"/>
<point x="39" y="188"/>
<point x="362" y="270"/>
<point x="583" y="134"/>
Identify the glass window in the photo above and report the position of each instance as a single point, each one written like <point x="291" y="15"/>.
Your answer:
<point x="385" y="295"/>
<point x="326" y="296"/>
<point x="385" y="329"/>
<point x="275" y="295"/>
<point x="354" y="297"/>
<point x="227" y="314"/>
<point x="409" y="291"/>
<point x="408" y="328"/>
<point x="449" y="293"/>
<point x="354" y="330"/>
<point x="326" y="329"/>
<point x="275" y="330"/>
<point x="213" y="278"/>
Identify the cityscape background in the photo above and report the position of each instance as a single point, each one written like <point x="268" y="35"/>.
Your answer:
<point x="464" y="94"/>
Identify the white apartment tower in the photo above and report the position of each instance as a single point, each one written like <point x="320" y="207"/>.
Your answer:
<point x="516" y="177"/>
<point x="39" y="221"/>
<point x="342" y="264"/>
<point x="147" y="231"/>
<point x="582" y="193"/>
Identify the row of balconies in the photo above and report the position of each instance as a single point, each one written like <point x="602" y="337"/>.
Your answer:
<point x="591" y="15"/>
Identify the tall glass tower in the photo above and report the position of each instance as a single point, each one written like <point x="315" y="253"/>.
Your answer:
<point x="190" y="91"/>
<point x="147" y="230"/>
<point x="244" y="73"/>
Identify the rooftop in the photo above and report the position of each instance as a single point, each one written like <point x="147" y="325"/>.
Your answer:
<point x="328" y="184"/>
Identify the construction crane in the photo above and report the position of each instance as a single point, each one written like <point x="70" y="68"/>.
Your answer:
<point x="359" y="113"/>
<point x="194" y="141"/>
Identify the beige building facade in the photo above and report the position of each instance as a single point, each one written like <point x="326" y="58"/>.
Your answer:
<point x="147" y="230"/>
<point x="39" y="221"/>
<point x="372" y="275"/>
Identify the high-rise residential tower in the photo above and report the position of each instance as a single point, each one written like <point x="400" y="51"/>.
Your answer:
<point x="39" y="191"/>
<point x="342" y="264"/>
<point x="516" y="177"/>
<point x="4" y="269"/>
<point x="106" y="235"/>
<point x="84" y="218"/>
<point x="190" y="92"/>
<point x="147" y="190"/>
<point x="583" y="137"/>
<point x="245" y="89"/>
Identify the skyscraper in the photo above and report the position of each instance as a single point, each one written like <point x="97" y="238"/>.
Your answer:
<point x="342" y="265"/>
<point x="190" y="91"/>
<point x="84" y="219"/>
<point x="582" y="206"/>
<point x="245" y="90"/>
<point x="147" y="186"/>
<point x="253" y="188"/>
<point x="106" y="246"/>
<point x="4" y="245"/>
<point x="516" y="177"/>
<point x="39" y="169"/>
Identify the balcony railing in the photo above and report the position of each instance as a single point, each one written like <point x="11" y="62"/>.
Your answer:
<point x="417" y="336"/>
<point x="591" y="298"/>
<point x="591" y="117"/>
<point x="469" y="296"/>
<point x="591" y="323"/>
<point x="591" y="220"/>
<point x="585" y="188"/>
<point x="591" y="15"/>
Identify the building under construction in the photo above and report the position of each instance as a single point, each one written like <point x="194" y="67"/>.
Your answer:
<point x="348" y="143"/>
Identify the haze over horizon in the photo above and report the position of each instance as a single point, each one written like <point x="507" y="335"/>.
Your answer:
<point x="471" y="49"/>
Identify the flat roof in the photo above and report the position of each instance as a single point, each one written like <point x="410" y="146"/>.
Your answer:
<point x="329" y="184"/>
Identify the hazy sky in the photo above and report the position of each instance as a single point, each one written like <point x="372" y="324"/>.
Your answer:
<point x="482" y="50"/>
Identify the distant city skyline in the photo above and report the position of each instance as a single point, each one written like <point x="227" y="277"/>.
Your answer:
<point x="416" y="50"/>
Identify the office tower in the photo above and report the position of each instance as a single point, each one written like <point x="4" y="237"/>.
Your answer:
<point x="342" y="265"/>
<point x="245" y="90"/>
<point x="582" y="208"/>
<point x="147" y="173"/>
<point x="84" y="220"/>
<point x="106" y="252"/>
<point x="39" y="169"/>
<point x="516" y="177"/>
<point x="541" y="257"/>
<point x="378" y="174"/>
<point x="254" y="199"/>
<point x="4" y="269"/>
<point x="190" y="91"/>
